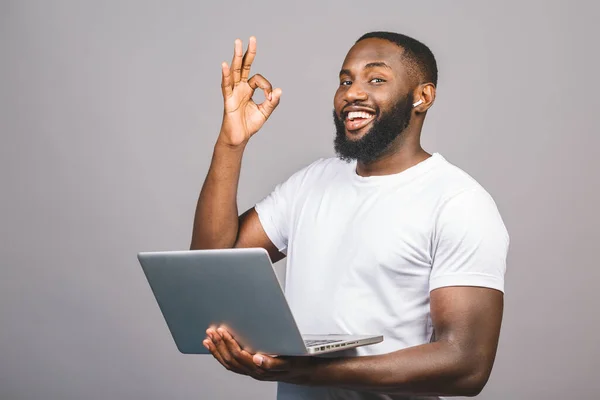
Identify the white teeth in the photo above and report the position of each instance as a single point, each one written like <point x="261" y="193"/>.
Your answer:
<point x="358" y="114"/>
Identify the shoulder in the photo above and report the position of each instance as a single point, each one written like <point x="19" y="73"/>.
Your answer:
<point x="450" y="180"/>
<point x="464" y="204"/>
<point x="321" y="169"/>
<point x="458" y="193"/>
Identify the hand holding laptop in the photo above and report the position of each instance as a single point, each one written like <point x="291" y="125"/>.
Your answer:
<point x="228" y="352"/>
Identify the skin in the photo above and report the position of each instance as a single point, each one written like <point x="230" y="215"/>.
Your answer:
<point x="466" y="320"/>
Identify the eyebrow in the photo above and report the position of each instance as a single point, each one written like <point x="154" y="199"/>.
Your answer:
<point x="376" y="64"/>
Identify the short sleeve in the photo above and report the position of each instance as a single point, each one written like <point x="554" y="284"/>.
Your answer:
<point x="470" y="243"/>
<point x="276" y="210"/>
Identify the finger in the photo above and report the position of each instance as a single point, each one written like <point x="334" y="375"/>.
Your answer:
<point x="268" y="106"/>
<point x="228" y="360"/>
<point x="241" y="356"/>
<point x="208" y="343"/>
<point x="259" y="81"/>
<point x="226" y="80"/>
<point x="236" y="64"/>
<point x="248" y="59"/>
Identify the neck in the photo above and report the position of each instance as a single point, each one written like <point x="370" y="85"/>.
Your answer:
<point x="403" y="153"/>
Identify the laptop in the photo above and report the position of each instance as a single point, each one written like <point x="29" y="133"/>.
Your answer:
<point x="236" y="288"/>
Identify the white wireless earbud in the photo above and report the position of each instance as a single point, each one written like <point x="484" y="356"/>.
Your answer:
<point x="418" y="102"/>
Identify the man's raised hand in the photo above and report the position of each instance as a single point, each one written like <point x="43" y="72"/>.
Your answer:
<point x="242" y="117"/>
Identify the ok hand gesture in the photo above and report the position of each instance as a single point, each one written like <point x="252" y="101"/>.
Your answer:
<point x="242" y="117"/>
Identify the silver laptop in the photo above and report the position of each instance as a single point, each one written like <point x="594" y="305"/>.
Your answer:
<point x="236" y="288"/>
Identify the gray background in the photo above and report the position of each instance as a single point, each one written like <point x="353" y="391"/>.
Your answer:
<point x="109" y="111"/>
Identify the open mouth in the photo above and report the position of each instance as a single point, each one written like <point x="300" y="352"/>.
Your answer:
<point x="356" y="120"/>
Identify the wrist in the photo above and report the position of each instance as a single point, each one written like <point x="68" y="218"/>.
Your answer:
<point x="227" y="145"/>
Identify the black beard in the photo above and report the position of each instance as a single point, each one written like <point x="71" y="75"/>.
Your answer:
<point x="376" y="141"/>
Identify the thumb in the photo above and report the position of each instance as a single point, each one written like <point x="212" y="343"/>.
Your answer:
<point x="270" y="104"/>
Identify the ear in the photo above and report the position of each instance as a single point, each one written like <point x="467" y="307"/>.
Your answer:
<point x="424" y="96"/>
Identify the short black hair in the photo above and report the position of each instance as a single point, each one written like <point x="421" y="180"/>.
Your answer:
<point x="420" y="60"/>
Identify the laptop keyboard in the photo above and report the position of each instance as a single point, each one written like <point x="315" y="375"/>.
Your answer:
<point x="310" y="343"/>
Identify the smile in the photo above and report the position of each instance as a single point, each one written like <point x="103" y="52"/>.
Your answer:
<point x="356" y="120"/>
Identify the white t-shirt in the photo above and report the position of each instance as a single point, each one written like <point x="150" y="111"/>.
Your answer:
<point x="363" y="253"/>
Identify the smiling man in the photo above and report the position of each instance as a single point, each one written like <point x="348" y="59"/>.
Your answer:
<point x="385" y="238"/>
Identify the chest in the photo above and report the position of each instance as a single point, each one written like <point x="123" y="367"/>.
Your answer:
<point x="389" y="230"/>
<point x="360" y="258"/>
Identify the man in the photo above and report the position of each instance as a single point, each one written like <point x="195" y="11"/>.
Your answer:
<point x="384" y="238"/>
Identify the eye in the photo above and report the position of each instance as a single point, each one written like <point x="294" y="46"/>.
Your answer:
<point x="345" y="83"/>
<point x="377" y="80"/>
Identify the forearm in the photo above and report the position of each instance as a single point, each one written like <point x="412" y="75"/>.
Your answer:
<point x="216" y="218"/>
<point x="438" y="368"/>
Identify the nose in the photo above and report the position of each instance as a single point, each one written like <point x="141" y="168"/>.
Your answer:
<point x="355" y="93"/>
